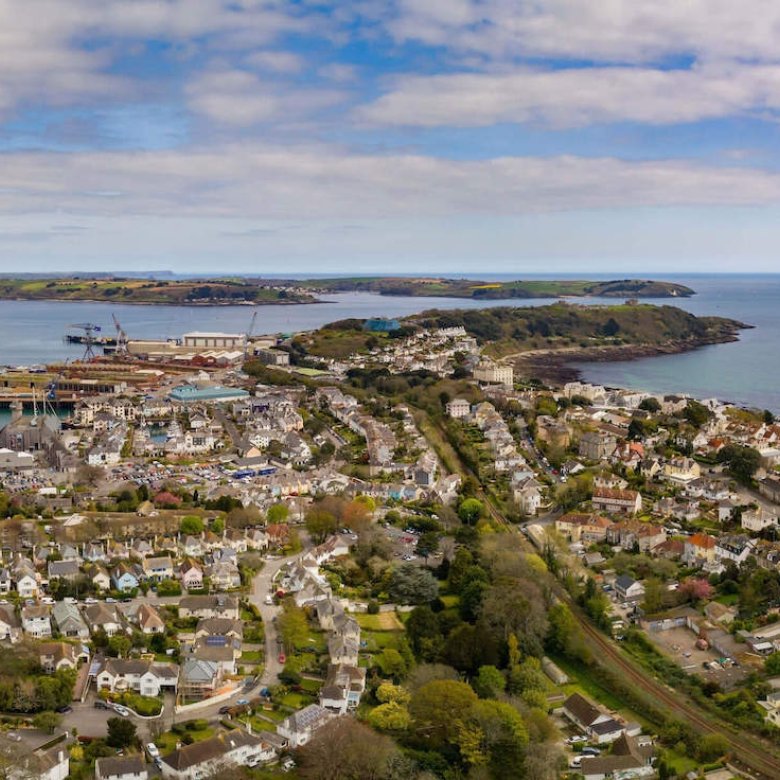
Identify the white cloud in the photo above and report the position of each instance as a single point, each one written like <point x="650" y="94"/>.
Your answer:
<point x="271" y="182"/>
<point x="277" y="61"/>
<point x="240" y="98"/>
<point x="578" y="96"/>
<point x="606" y="30"/>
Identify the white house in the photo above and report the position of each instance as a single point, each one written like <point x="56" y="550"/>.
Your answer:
<point x="299" y="727"/>
<point x="215" y="756"/>
<point x="121" y="768"/>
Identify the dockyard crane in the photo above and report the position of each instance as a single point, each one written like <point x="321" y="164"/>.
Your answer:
<point x="88" y="339"/>
<point x="248" y="334"/>
<point x="121" y="337"/>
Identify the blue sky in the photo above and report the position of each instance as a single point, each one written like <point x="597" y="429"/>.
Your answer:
<point x="389" y="135"/>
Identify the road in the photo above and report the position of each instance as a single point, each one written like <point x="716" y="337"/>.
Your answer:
<point x="261" y="587"/>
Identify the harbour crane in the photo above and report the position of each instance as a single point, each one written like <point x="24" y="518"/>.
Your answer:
<point x="121" y="337"/>
<point x="88" y="339"/>
<point x="248" y="334"/>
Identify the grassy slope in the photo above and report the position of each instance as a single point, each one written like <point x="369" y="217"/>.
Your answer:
<point x="467" y="288"/>
<point x="141" y="291"/>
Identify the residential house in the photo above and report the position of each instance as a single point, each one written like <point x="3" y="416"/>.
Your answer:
<point x="63" y="570"/>
<point x="616" y="501"/>
<point x="149" y="620"/>
<point x="589" y="528"/>
<point x="54" y="656"/>
<point x="36" y="621"/>
<point x="99" y="577"/>
<point x="121" y="768"/>
<point x="105" y="617"/>
<point x="149" y="678"/>
<point x="343" y="687"/>
<point x="599" y="726"/>
<point x="10" y="624"/>
<point x="628" y="589"/>
<point x="157" y="569"/>
<point x="299" y="727"/>
<point x="756" y="520"/>
<point x="700" y="549"/>
<point x="597" y="445"/>
<point x="124" y="577"/>
<point x="527" y="494"/>
<point x="199" y="678"/>
<point x="735" y="547"/>
<point x="344" y="650"/>
<point x="681" y="470"/>
<point x="190" y="574"/>
<point x="631" y="758"/>
<point x="458" y="408"/>
<point x="218" y="605"/>
<point x="214" y="757"/>
<point x="68" y="620"/>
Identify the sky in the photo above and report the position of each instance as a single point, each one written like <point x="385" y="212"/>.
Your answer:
<point x="380" y="136"/>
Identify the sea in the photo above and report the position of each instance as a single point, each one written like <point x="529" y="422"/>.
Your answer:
<point x="746" y="372"/>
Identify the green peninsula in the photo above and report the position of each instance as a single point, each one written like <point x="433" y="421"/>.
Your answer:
<point x="534" y="288"/>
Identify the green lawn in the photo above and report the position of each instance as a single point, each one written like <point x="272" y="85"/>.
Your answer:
<point x="385" y="621"/>
<point x="252" y="656"/>
<point x="167" y="742"/>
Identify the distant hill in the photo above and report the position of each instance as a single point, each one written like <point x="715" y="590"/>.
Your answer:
<point x="469" y="288"/>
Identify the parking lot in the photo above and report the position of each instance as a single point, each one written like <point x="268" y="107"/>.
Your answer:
<point x="680" y="645"/>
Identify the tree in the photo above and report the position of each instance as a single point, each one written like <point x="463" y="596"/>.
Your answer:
<point x="47" y="721"/>
<point x="422" y="629"/>
<point x="119" y="645"/>
<point x="655" y="596"/>
<point x="470" y="511"/>
<point x="388" y="692"/>
<point x="292" y="624"/>
<point x="345" y="749"/>
<point x="391" y="716"/>
<point x="564" y="635"/>
<point x="218" y="525"/>
<point x="427" y="544"/>
<point x="712" y="746"/>
<point x="743" y="462"/>
<point x="410" y="584"/>
<point x="320" y="524"/>
<point x="191" y="525"/>
<point x="391" y="663"/>
<point x="651" y="405"/>
<point x="772" y="664"/>
<point x="489" y="682"/>
<point x="696" y="589"/>
<point x="496" y="736"/>
<point x="696" y="414"/>
<point x="121" y="732"/>
<point x="277" y="513"/>
<point x="437" y="709"/>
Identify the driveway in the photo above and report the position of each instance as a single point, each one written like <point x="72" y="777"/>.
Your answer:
<point x="261" y="587"/>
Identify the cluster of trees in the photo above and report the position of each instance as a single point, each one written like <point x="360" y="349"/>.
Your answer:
<point x="332" y="513"/>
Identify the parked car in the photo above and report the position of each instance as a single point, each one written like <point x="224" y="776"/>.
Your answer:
<point x="120" y="710"/>
<point x="152" y="750"/>
<point x="101" y="705"/>
<point x="591" y="751"/>
<point x="243" y="701"/>
<point x="224" y="710"/>
<point x="65" y="709"/>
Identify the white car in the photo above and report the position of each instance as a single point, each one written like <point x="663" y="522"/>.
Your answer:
<point x="120" y="710"/>
<point x="152" y="750"/>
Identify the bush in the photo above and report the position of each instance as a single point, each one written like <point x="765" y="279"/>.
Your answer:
<point x="373" y="607"/>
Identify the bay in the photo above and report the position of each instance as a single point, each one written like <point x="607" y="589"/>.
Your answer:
<point x="746" y="372"/>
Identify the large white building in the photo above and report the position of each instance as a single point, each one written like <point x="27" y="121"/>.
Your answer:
<point x="226" y="340"/>
<point x="494" y="374"/>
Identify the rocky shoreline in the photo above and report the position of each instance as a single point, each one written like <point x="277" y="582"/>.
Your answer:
<point x="555" y="367"/>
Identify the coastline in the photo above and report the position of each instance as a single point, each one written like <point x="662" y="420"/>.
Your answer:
<point x="185" y="304"/>
<point x="558" y="366"/>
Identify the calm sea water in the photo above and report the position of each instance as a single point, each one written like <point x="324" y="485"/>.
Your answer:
<point x="745" y="372"/>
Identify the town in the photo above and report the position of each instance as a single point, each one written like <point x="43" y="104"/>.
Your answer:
<point x="378" y="543"/>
